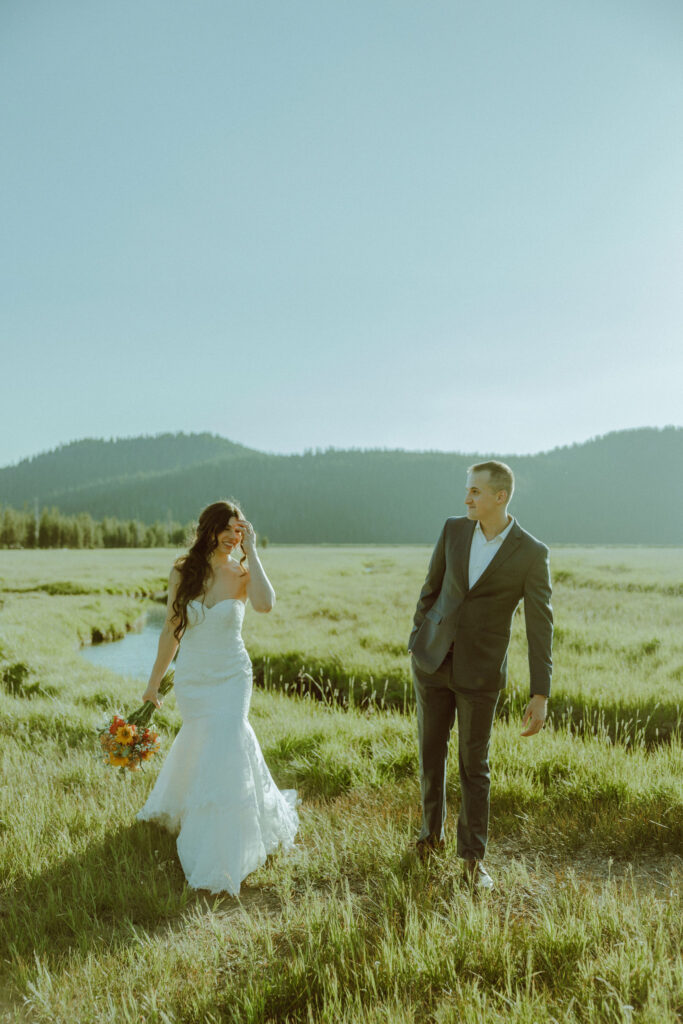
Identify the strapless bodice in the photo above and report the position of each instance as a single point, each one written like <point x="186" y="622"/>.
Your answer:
<point x="214" y="631"/>
<point x="213" y="670"/>
<point x="197" y="611"/>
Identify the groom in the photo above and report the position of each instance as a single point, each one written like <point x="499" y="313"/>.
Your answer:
<point x="483" y="565"/>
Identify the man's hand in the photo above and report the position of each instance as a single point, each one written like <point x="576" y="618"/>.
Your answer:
<point x="534" y="714"/>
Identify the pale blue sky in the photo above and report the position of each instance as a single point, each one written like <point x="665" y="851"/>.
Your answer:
<point x="355" y="223"/>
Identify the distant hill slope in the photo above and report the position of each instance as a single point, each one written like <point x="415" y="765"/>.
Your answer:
<point x="88" y="462"/>
<point x="623" y="488"/>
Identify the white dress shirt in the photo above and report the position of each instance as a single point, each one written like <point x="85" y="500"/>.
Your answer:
<point x="483" y="550"/>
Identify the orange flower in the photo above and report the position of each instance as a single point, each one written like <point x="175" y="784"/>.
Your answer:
<point x="125" y="734"/>
<point x="117" y="761"/>
<point x="146" y="754"/>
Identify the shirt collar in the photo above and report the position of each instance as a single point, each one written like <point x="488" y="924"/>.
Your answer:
<point x="500" y="537"/>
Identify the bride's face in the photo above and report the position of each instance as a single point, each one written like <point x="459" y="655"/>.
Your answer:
<point x="230" y="537"/>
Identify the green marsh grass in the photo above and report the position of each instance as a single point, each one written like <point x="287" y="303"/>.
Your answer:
<point x="586" y="923"/>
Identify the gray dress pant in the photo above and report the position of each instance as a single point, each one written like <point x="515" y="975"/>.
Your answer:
<point x="439" y="704"/>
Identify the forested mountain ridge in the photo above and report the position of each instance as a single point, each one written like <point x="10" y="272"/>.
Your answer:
<point x="623" y="488"/>
<point x="91" y="461"/>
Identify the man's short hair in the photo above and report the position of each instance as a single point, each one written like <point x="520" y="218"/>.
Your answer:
<point x="501" y="476"/>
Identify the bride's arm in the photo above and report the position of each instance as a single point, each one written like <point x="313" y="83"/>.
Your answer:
<point x="168" y="644"/>
<point x="259" y="589"/>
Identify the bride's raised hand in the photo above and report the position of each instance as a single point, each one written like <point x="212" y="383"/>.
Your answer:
<point x="248" y="535"/>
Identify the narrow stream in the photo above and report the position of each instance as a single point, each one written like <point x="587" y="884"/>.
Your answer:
<point x="134" y="655"/>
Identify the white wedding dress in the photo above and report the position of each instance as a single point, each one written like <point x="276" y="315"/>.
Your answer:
<point x="214" y="788"/>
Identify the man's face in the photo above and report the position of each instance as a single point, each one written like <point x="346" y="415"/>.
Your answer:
<point x="481" y="500"/>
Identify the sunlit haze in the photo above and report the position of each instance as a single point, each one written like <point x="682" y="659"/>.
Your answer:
<point x="444" y="226"/>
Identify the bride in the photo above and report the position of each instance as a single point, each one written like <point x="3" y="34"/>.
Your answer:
<point x="214" y="788"/>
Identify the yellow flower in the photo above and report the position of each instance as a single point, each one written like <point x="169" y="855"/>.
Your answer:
<point x="125" y="734"/>
<point x="117" y="761"/>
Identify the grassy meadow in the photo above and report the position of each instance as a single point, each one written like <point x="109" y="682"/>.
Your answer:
<point x="586" y="923"/>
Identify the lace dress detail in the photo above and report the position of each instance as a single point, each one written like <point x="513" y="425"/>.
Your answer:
<point x="214" y="788"/>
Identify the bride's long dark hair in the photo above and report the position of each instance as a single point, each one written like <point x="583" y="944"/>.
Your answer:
<point x="195" y="566"/>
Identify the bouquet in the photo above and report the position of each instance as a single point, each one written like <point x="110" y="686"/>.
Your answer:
<point x="127" y="742"/>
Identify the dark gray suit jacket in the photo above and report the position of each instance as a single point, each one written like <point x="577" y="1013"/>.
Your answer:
<point x="478" y="621"/>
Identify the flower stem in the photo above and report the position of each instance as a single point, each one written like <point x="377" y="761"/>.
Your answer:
<point x="143" y="715"/>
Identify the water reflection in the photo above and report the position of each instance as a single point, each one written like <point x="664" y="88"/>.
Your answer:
<point x="134" y="655"/>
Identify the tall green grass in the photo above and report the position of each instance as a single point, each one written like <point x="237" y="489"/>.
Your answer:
<point x="95" y="906"/>
<point x="97" y="923"/>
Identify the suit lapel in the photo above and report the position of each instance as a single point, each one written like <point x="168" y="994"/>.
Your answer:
<point x="507" y="548"/>
<point x="464" y="555"/>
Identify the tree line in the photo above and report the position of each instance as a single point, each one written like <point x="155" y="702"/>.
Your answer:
<point x="50" y="528"/>
<point x="588" y="493"/>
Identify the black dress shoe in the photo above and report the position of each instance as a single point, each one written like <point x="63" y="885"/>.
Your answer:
<point x="428" y="846"/>
<point x="477" y="876"/>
